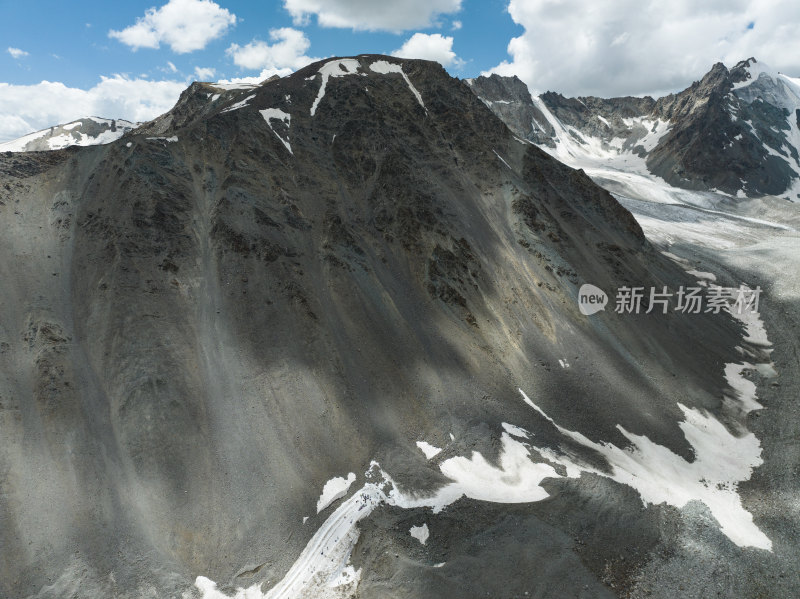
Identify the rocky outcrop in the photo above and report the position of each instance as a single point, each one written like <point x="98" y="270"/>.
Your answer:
<point x="509" y="99"/>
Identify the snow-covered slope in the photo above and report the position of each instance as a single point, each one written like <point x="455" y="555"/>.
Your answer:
<point x="90" y="131"/>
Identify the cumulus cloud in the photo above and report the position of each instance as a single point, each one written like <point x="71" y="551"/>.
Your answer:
<point x="205" y="73"/>
<point x="369" y="15"/>
<point x="429" y="47"/>
<point x="260" y="78"/>
<point x="28" y="108"/>
<point x="619" y="47"/>
<point x="184" y="25"/>
<point x="16" y="53"/>
<point x="284" y="55"/>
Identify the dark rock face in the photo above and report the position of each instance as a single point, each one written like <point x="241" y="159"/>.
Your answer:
<point x="731" y="131"/>
<point x="206" y="320"/>
<point x="726" y="139"/>
<point x="509" y="98"/>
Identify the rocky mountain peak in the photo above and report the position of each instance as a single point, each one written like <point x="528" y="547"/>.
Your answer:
<point x="715" y="77"/>
<point x="740" y="72"/>
<point x="217" y="318"/>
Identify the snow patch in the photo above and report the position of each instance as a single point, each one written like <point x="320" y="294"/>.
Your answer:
<point x="756" y="69"/>
<point x="19" y="144"/>
<point x="722" y="460"/>
<point x="744" y="390"/>
<point x="516" y="480"/>
<point x="420" y="533"/>
<point x="230" y="86"/>
<point x="385" y="67"/>
<point x="429" y="450"/>
<point x="515" y="431"/>
<point x="501" y="160"/>
<point x="703" y="275"/>
<point x="334" y="489"/>
<point x="239" y="104"/>
<point x="277" y="114"/>
<point x="333" y="68"/>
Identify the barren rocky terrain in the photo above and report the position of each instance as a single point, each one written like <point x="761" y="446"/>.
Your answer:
<point x="208" y="324"/>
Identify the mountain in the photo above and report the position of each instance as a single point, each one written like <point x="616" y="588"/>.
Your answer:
<point x="83" y="132"/>
<point x="322" y="337"/>
<point x="736" y="130"/>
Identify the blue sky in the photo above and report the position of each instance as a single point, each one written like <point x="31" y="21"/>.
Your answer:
<point x="69" y="41"/>
<point x="62" y="59"/>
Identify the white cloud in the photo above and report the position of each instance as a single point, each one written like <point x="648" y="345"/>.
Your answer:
<point x="456" y="25"/>
<point x="184" y="25"/>
<point x="205" y="73"/>
<point x="433" y="46"/>
<point x="172" y="68"/>
<point x="28" y="108"/>
<point x="369" y="15"/>
<point x="619" y="47"/>
<point x="286" y="53"/>
<point x="16" y="53"/>
<point x="260" y="78"/>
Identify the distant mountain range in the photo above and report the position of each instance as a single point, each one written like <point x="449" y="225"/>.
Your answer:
<point x="87" y="131"/>
<point x="736" y="130"/>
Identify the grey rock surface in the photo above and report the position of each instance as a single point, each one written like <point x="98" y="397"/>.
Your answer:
<point x="206" y="320"/>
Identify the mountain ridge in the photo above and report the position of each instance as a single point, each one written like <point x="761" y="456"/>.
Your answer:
<point x="717" y="134"/>
<point x="260" y="292"/>
<point x="81" y="132"/>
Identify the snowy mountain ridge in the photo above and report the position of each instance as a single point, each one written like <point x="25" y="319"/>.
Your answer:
<point x="736" y="130"/>
<point x="89" y="131"/>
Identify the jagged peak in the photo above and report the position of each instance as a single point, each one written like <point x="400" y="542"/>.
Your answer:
<point x="744" y="64"/>
<point x="748" y="71"/>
